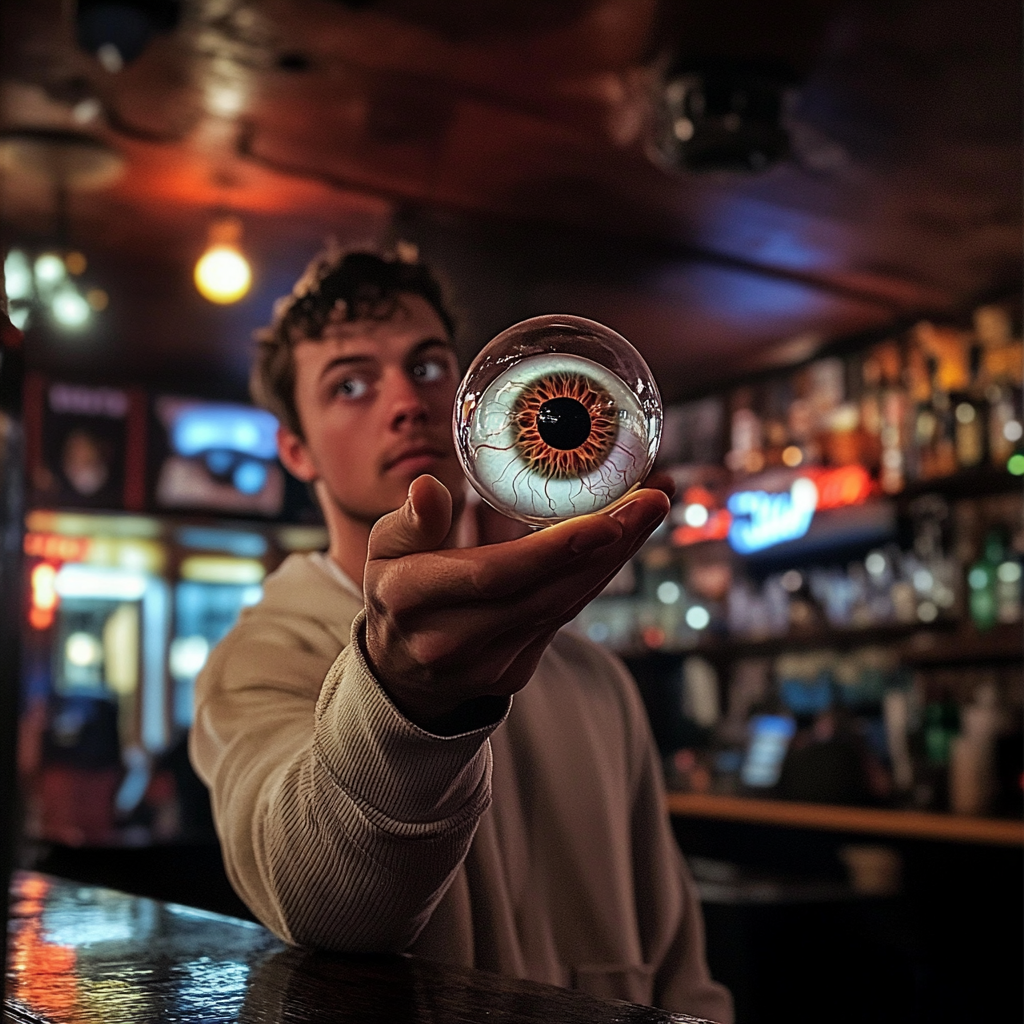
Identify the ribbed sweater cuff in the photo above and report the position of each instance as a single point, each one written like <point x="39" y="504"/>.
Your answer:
<point x="384" y="761"/>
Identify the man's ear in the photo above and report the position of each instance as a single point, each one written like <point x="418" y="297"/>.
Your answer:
<point x="295" y="455"/>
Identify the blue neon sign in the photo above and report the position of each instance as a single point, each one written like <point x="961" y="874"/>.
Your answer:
<point x="761" y="520"/>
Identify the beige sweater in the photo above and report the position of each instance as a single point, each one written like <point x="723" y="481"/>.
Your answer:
<point x="538" y="847"/>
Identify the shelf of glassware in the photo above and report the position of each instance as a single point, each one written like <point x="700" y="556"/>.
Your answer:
<point x="892" y="823"/>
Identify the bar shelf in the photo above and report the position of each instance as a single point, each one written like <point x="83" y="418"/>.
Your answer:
<point x="893" y="823"/>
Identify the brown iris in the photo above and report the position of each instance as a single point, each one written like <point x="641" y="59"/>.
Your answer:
<point x="565" y="425"/>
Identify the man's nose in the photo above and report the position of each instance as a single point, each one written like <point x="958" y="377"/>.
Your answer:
<point x="405" y="402"/>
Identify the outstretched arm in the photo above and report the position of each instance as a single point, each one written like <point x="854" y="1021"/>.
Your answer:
<point x="345" y="809"/>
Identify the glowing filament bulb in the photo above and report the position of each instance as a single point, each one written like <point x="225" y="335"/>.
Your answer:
<point x="222" y="274"/>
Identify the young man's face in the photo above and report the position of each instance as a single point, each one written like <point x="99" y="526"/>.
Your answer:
<point x="375" y="402"/>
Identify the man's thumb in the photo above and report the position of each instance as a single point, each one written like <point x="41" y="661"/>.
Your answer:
<point x="421" y="524"/>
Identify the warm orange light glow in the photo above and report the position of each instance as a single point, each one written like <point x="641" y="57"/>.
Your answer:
<point x="44" y="590"/>
<point x="222" y="274"/>
<point x="846" y="485"/>
<point x="40" y="618"/>
<point x="792" y="456"/>
<point x="42" y="972"/>
<point x="55" y="547"/>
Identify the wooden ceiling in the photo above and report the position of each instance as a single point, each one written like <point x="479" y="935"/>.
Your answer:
<point x="512" y="139"/>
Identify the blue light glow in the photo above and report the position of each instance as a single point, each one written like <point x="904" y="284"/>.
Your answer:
<point x="233" y="542"/>
<point x="250" y="477"/>
<point x="236" y="428"/>
<point x="219" y="461"/>
<point x="761" y="520"/>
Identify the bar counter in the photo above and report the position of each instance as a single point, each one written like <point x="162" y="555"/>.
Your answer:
<point x="80" y="954"/>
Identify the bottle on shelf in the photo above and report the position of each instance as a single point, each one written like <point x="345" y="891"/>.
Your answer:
<point x="920" y="432"/>
<point x="970" y="415"/>
<point x="746" y="449"/>
<point x="972" y="779"/>
<point x="946" y="356"/>
<point x="1008" y="589"/>
<point x="870" y="408"/>
<point x="936" y="576"/>
<point x="1003" y="362"/>
<point x="940" y="726"/>
<point x="982" y="580"/>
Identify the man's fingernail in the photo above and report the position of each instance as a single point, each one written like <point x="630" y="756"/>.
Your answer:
<point x="635" y="516"/>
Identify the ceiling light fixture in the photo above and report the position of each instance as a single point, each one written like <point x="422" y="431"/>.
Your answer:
<point x="721" y="115"/>
<point x="68" y="161"/>
<point x="222" y="274"/>
<point x="117" y="31"/>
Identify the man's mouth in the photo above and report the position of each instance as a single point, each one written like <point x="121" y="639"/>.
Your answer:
<point x="419" y="458"/>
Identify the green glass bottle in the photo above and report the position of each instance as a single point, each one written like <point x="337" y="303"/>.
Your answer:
<point x="982" y="582"/>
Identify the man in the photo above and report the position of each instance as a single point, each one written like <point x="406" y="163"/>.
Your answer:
<point x="355" y="725"/>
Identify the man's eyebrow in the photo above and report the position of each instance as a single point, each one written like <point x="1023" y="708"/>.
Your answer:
<point x="360" y="357"/>
<point x="429" y="343"/>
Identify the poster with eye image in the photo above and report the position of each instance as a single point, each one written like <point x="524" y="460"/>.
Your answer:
<point x="216" y="457"/>
<point x="83" y="445"/>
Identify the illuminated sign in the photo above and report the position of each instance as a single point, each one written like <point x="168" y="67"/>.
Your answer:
<point x="760" y="519"/>
<point x="44" y="596"/>
<point x="701" y="519"/>
<point x="56" y="547"/>
<point x="847" y="485"/>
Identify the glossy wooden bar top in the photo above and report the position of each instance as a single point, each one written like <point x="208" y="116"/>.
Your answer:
<point x="84" y="955"/>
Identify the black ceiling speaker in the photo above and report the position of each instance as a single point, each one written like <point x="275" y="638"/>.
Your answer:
<point x="722" y="116"/>
<point x="118" y="32"/>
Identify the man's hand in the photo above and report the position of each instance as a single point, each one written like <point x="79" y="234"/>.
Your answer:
<point x="445" y="626"/>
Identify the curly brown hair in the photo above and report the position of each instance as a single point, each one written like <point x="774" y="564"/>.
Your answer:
<point x="337" y="286"/>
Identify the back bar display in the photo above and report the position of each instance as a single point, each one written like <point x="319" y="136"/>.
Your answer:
<point x="122" y="614"/>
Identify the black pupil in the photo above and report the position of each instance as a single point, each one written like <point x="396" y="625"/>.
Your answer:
<point x="563" y="423"/>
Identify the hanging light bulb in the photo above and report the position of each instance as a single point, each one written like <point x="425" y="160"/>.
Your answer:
<point x="222" y="273"/>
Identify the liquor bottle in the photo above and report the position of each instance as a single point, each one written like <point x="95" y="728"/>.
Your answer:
<point x="1008" y="589"/>
<point x="871" y="413"/>
<point x="921" y="427"/>
<point x="776" y="400"/>
<point x="948" y="367"/>
<point x="970" y="411"/>
<point x="981" y="581"/>
<point x="972" y="780"/>
<point x="940" y="726"/>
<point x="1003" y="369"/>
<point x="893" y="404"/>
<point x="746" y="449"/>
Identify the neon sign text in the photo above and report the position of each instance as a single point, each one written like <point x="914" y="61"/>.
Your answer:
<point x="761" y="519"/>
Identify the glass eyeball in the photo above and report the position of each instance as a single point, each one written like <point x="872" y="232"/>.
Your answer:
<point x="556" y="417"/>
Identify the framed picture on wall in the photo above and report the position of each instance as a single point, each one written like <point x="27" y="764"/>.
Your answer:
<point x="85" y="446"/>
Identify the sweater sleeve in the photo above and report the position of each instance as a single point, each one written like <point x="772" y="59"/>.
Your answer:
<point x="342" y="823"/>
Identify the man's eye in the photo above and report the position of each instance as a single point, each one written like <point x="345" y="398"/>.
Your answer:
<point x="353" y="387"/>
<point x="430" y="371"/>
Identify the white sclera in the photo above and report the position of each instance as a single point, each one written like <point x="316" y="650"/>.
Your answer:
<point x="486" y="432"/>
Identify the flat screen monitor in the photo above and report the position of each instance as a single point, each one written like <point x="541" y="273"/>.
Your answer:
<point x="217" y="456"/>
<point x="769" y="739"/>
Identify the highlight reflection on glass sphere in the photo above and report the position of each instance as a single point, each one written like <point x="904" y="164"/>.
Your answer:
<point x="557" y="417"/>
